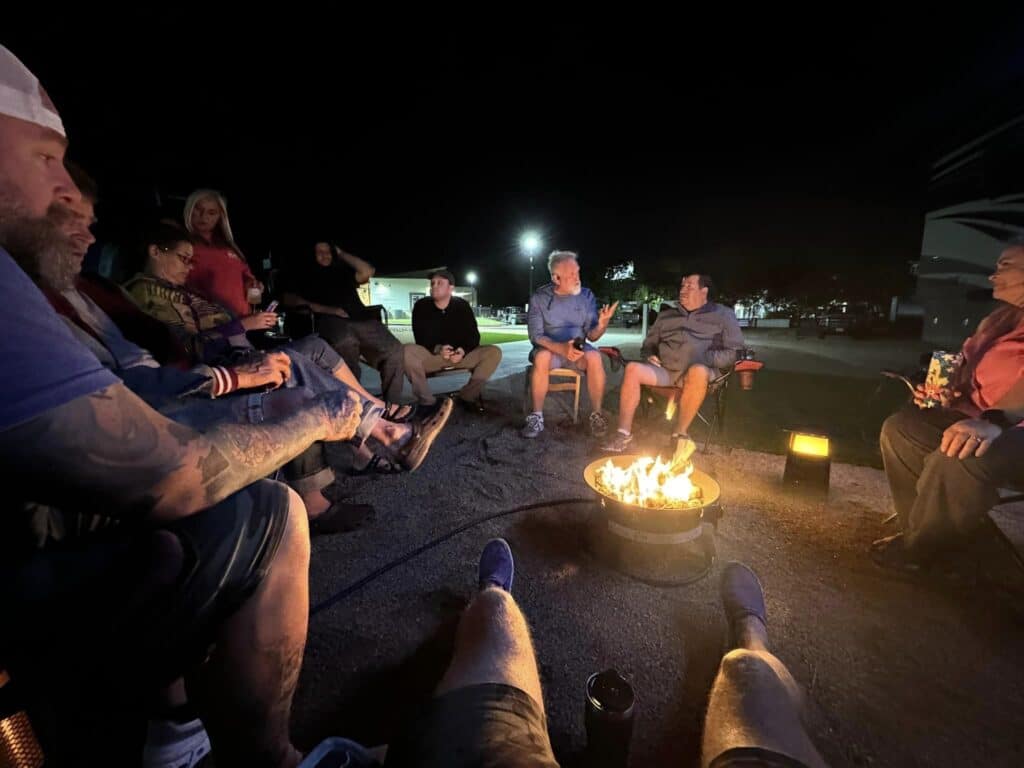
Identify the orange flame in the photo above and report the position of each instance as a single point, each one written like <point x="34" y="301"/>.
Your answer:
<point x="649" y="482"/>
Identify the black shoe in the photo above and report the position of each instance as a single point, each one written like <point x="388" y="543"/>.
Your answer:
<point x="472" y="406"/>
<point x="891" y="553"/>
<point x="341" y="518"/>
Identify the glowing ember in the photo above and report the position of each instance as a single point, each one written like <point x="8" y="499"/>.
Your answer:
<point x="649" y="482"/>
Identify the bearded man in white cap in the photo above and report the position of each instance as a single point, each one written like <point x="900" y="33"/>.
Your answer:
<point x="207" y="574"/>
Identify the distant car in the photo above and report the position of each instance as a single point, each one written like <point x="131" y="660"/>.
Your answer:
<point x="858" y="320"/>
<point x="514" y="316"/>
<point x="628" y="314"/>
<point x="835" y="323"/>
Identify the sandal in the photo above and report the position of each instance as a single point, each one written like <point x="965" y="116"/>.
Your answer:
<point x="399" y="413"/>
<point x="379" y="465"/>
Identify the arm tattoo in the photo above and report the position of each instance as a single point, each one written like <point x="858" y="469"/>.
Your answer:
<point x="110" y="450"/>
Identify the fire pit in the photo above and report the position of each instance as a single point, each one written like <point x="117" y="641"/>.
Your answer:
<point x="651" y="519"/>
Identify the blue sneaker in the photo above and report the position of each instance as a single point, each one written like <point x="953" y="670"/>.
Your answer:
<point x="496" y="565"/>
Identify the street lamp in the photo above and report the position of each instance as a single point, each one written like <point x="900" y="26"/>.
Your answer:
<point x="471" y="278"/>
<point x="530" y="244"/>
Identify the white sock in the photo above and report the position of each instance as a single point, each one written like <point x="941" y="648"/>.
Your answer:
<point x="538" y="413"/>
<point x="623" y="431"/>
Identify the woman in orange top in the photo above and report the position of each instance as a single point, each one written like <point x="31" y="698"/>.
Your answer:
<point x="220" y="272"/>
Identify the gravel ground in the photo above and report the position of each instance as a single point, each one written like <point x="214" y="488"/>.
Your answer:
<point x="897" y="673"/>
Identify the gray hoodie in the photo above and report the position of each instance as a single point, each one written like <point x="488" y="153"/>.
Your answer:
<point x="709" y="335"/>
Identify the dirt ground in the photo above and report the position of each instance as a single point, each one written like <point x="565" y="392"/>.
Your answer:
<point x="896" y="672"/>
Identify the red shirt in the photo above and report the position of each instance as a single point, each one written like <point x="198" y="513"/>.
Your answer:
<point x="994" y="359"/>
<point x="219" y="274"/>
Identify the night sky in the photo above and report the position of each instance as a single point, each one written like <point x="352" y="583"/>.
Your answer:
<point x="739" y="142"/>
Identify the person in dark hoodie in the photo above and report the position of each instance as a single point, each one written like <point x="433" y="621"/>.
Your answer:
<point x="688" y="343"/>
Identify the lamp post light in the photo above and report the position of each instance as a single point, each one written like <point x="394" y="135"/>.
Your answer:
<point x="530" y="244"/>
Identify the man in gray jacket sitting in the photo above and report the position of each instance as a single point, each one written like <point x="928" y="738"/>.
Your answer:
<point x="688" y="343"/>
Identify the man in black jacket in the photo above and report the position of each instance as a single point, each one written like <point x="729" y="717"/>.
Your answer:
<point x="447" y="337"/>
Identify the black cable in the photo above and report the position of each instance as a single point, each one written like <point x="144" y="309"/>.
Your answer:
<point x="341" y="594"/>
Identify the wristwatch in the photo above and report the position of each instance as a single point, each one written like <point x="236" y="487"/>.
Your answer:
<point x="998" y="418"/>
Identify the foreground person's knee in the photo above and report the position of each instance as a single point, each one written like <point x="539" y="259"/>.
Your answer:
<point x="743" y="667"/>
<point x="498" y="606"/>
<point x="294" y="550"/>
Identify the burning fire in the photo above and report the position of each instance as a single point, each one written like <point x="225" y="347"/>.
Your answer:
<point x="649" y="482"/>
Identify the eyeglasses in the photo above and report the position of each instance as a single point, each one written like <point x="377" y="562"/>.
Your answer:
<point x="184" y="258"/>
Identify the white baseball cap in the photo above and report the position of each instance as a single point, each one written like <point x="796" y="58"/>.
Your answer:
<point x="22" y="96"/>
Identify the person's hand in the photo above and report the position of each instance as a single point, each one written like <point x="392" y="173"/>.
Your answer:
<point x="970" y="437"/>
<point x="945" y="395"/>
<point x="447" y="350"/>
<point x="571" y="353"/>
<point x="342" y="412"/>
<point x="339" y="312"/>
<point x="457" y="355"/>
<point x="260" y="321"/>
<point x="654" y="360"/>
<point x="604" y="316"/>
<point x="271" y="370"/>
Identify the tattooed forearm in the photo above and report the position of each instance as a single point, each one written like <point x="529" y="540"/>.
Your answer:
<point x="111" y="449"/>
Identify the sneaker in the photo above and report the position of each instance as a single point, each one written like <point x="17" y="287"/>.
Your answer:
<point x="424" y="431"/>
<point x="175" y="745"/>
<point x="742" y="596"/>
<point x="618" y="443"/>
<point x="496" y="565"/>
<point x="534" y="425"/>
<point x="598" y="424"/>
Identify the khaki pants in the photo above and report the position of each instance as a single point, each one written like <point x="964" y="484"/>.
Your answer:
<point x="419" y="361"/>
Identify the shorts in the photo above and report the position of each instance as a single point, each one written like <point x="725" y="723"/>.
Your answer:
<point x="482" y="726"/>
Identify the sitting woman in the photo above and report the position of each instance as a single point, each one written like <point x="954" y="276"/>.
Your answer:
<point x="208" y="331"/>
<point x="947" y="458"/>
<point x="214" y="337"/>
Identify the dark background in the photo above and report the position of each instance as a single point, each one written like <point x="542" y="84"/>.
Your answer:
<point x="778" y="152"/>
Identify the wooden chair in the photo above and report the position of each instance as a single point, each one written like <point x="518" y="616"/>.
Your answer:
<point x="572" y="385"/>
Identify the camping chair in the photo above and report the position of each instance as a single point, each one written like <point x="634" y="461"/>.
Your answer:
<point x="301" y="321"/>
<point x="744" y="369"/>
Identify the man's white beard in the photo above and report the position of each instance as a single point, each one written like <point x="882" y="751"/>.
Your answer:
<point x="576" y="291"/>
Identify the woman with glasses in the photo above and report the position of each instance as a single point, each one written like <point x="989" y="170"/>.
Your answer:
<point x="206" y="328"/>
<point x="214" y="336"/>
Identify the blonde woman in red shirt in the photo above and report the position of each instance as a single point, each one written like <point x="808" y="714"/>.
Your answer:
<point x="220" y="272"/>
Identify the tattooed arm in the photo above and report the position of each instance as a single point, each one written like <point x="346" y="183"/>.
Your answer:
<point x="110" y="449"/>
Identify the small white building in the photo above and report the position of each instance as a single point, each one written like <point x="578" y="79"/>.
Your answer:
<point x="398" y="293"/>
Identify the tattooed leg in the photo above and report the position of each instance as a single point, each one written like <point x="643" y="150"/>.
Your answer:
<point x="244" y="692"/>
